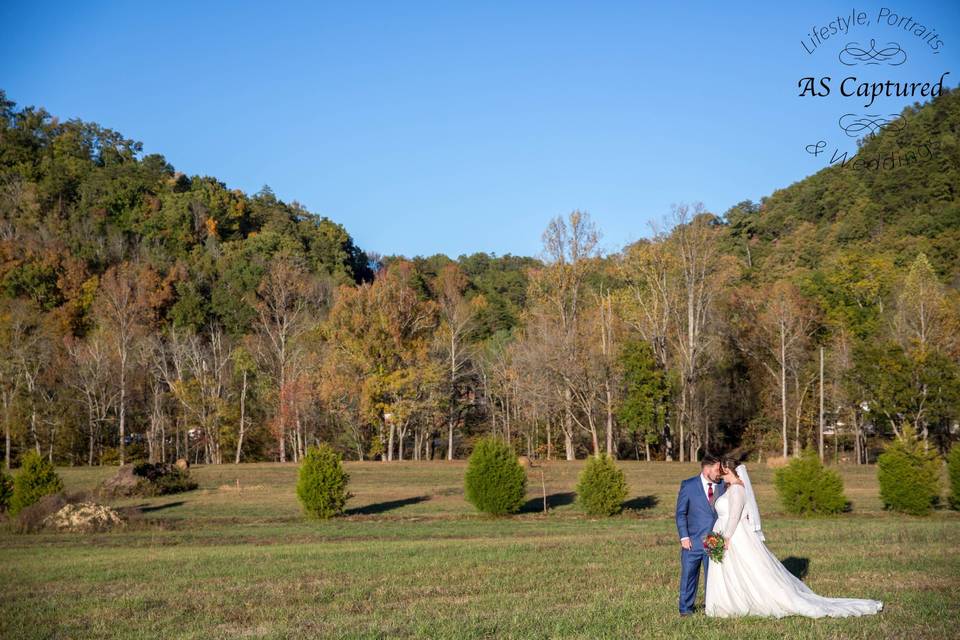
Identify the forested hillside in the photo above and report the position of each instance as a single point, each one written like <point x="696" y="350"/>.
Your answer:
<point x="891" y="212"/>
<point x="150" y="314"/>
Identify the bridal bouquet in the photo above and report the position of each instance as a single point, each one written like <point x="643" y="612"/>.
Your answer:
<point x="713" y="543"/>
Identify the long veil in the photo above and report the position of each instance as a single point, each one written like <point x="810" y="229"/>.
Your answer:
<point x="753" y="512"/>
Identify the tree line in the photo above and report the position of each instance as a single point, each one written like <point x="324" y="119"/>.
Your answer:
<point x="149" y="315"/>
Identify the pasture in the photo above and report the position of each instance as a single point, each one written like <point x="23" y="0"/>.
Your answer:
<point x="411" y="559"/>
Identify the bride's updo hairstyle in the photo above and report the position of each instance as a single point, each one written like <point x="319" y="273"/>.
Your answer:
<point x="730" y="462"/>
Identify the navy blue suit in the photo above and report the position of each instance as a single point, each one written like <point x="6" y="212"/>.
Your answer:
<point x="695" y="519"/>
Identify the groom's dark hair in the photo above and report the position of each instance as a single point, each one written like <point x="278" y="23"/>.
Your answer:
<point x="708" y="459"/>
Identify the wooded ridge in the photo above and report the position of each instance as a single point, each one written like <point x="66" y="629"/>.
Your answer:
<point x="146" y="314"/>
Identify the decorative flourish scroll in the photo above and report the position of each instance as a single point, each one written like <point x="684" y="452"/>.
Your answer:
<point x="854" y="54"/>
<point x="857" y="125"/>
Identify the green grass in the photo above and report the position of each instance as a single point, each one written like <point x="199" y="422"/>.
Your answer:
<point x="412" y="559"/>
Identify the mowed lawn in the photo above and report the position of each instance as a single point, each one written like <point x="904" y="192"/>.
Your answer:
<point x="413" y="560"/>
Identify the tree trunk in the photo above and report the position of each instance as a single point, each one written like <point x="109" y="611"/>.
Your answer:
<point x="151" y="444"/>
<point x="680" y="443"/>
<point x="609" y="419"/>
<point x="155" y="418"/>
<point x="243" y="413"/>
<point x="568" y="426"/>
<point x="123" y="407"/>
<point x="390" y="443"/>
<point x="90" y="425"/>
<point x="450" y="422"/>
<point x="299" y="427"/>
<point x="33" y="430"/>
<point x="506" y="416"/>
<point x="281" y="413"/>
<point x="686" y="416"/>
<point x="799" y="409"/>
<point x="549" y="440"/>
<point x="186" y="439"/>
<point x="783" y="385"/>
<point x="820" y="435"/>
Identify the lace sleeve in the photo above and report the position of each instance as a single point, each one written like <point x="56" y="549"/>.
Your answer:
<point x="735" y="503"/>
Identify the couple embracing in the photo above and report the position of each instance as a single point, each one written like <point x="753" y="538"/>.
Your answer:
<point x="749" y="580"/>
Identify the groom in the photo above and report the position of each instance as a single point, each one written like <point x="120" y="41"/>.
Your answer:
<point x="695" y="518"/>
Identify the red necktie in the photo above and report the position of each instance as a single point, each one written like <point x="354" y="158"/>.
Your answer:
<point x="710" y="492"/>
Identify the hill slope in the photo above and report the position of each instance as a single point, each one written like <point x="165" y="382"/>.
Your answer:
<point x="863" y="209"/>
<point x="76" y="199"/>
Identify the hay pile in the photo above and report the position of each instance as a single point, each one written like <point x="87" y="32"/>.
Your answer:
<point x="84" y="517"/>
<point x="72" y="512"/>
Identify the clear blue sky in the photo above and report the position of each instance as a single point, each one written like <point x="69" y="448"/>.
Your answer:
<point x="460" y="127"/>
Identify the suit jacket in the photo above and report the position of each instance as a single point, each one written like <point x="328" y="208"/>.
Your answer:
<point x="695" y="515"/>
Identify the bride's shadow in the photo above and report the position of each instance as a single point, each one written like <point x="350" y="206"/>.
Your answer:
<point x="799" y="567"/>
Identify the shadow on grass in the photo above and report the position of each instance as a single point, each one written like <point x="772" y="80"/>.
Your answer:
<point x="535" y="505"/>
<point x="799" y="567"/>
<point x="380" y="507"/>
<point x="146" y="508"/>
<point x="641" y="502"/>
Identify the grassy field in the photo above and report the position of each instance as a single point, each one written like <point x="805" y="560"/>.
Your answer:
<point x="412" y="560"/>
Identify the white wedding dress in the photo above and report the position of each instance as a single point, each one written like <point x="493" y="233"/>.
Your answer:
<point x="751" y="581"/>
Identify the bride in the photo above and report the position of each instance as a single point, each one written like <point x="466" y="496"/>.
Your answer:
<point x="750" y="580"/>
